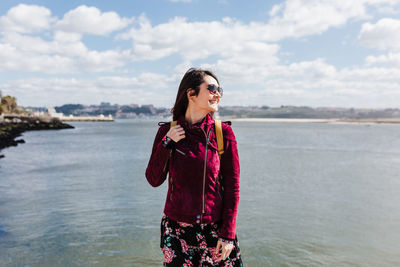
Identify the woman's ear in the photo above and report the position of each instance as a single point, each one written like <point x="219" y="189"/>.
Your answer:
<point x="190" y="93"/>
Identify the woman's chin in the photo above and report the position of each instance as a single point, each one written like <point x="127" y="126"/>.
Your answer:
<point x="213" y="108"/>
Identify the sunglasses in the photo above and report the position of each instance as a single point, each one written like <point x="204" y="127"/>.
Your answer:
<point x="214" y="89"/>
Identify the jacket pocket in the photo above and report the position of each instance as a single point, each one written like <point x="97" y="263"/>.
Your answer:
<point x="180" y="151"/>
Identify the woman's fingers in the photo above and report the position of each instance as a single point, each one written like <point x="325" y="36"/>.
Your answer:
<point x="176" y="133"/>
<point x="180" y="132"/>
<point x="226" y="250"/>
<point x="227" y="253"/>
<point x="178" y="129"/>
<point x="218" y="248"/>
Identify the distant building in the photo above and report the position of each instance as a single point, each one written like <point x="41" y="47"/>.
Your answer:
<point x="37" y="113"/>
<point x="52" y="112"/>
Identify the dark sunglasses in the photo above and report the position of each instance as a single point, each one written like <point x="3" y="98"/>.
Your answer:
<point x="214" y="89"/>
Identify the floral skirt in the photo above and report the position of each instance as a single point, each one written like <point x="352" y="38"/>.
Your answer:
<point x="193" y="244"/>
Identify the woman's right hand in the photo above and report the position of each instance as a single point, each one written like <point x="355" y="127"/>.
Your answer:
<point x="176" y="133"/>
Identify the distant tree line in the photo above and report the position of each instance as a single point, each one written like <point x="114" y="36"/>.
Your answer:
<point x="106" y="109"/>
<point x="306" y="112"/>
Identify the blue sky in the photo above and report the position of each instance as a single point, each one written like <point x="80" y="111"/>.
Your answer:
<point x="294" y="52"/>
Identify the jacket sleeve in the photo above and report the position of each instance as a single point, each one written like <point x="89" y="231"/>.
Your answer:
<point x="157" y="168"/>
<point x="230" y="171"/>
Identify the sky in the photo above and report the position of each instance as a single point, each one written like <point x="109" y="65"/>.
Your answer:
<point x="324" y="53"/>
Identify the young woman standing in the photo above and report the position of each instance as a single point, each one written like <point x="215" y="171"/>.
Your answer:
<point x="198" y="227"/>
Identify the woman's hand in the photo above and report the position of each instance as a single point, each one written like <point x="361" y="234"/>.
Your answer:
<point x="176" y="133"/>
<point x="226" y="250"/>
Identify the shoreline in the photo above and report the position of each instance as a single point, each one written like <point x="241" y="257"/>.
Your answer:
<point x="309" y="120"/>
<point x="12" y="126"/>
<point x="87" y="118"/>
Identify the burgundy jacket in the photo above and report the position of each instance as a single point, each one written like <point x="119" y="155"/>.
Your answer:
<point x="194" y="193"/>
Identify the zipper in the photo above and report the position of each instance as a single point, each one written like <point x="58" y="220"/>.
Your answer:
<point x="205" y="167"/>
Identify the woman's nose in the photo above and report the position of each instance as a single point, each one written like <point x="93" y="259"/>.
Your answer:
<point x="216" y="95"/>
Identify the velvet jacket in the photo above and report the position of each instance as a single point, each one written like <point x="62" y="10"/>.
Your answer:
<point x="202" y="188"/>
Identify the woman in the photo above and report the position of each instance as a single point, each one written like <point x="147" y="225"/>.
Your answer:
<point x="198" y="227"/>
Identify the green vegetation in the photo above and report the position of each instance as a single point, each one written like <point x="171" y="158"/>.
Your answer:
<point x="8" y="105"/>
<point x="306" y="112"/>
<point x="119" y="111"/>
<point x="68" y="109"/>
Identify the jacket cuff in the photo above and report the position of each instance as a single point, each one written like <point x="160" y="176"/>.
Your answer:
<point x="228" y="229"/>
<point x="167" y="142"/>
<point x="226" y="240"/>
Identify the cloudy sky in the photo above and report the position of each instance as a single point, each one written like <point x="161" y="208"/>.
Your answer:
<point x="295" y="52"/>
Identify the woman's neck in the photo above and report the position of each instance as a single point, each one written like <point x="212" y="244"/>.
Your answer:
<point x="194" y="115"/>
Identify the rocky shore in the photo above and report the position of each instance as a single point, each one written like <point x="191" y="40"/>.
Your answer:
<point x="12" y="126"/>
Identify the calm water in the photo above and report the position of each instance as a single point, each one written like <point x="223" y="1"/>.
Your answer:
<point x="311" y="195"/>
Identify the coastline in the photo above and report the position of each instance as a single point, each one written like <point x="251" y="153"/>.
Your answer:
<point x="87" y="118"/>
<point x="12" y="126"/>
<point x="309" y="120"/>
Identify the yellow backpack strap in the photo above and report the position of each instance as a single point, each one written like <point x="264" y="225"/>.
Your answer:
<point x="173" y="123"/>
<point x="220" y="138"/>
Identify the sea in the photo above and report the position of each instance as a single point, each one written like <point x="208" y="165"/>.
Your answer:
<point x="311" y="194"/>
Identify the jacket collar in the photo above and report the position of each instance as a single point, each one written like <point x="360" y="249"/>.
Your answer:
<point x="203" y="124"/>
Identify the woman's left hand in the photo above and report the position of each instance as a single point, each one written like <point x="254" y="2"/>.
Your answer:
<point x="226" y="250"/>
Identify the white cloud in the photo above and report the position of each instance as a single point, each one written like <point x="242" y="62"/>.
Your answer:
<point x="233" y="73"/>
<point x="309" y="83"/>
<point x="26" y="19"/>
<point x="27" y="43"/>
<point x="300" y="18"/>
<point x="104" y="61"/>
<point x="391" y="59"/>
<point x="13" y="59"/>
<point x="91" y="20"/>
<point x="385" y="34"/>
<point x="64" y="54"/>
<point x="143" y="89"/>
<point x="199" y="40"/>
<point x="302" y="83"/>
<point x="67" y="37"/>
<point x="387" y="10"/>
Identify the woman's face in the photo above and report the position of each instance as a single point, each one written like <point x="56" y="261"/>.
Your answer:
<point x="206" y="100"/>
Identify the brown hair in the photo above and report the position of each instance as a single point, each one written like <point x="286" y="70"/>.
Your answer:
<point x="192" y="79"/>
